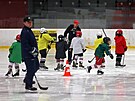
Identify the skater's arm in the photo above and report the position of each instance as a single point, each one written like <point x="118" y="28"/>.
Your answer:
<point x="67" y="30"/>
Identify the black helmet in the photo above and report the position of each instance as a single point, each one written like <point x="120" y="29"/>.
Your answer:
<point x="61" y="38"/>
<point x="106" y="39"/>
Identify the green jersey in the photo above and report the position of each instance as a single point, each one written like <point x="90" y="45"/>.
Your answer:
<point x="101" y="49"/>
<point x="15" y="53"/>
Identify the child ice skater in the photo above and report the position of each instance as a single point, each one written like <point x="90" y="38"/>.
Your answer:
<point x="99" y="55"/>
<point x="99" y="40"/>
<point x="120" y="47"/>
<point x="43" y="46"/>
<point x="15" y="57"/>
<point x="78" y="47"/>
<point x="61" y="48"/>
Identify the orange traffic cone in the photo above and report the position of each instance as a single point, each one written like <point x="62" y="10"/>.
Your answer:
<point x="67" y="69"/>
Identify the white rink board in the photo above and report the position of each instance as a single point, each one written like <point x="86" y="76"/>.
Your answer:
<point x="7" y="36"/>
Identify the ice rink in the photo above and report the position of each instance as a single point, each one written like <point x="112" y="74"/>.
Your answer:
<point x="117" y="84"/>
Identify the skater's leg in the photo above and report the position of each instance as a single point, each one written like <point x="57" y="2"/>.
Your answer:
<point x="10" y="66"/>
<point x="43" y="59"/>
<point x="16" y="69"/>
<point x="62" y="64"/>
<point x="75" y="58"/>
<point x="58" y="64"/>
<point x="98" y="64"/>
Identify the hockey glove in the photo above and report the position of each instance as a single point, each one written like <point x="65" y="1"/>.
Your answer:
<point x="9" y="56"/>
<point x="65" y="39"/>
<point x="109" y="47"/>
<point x="52" y="41"/>
<point x="49" y="47"/>
<point x="111" y="56"/>
<point x="34" y="52"/>
<point x="125" y="49"/>
<point x="70" y="49"/>
<point x="84" y="50"/>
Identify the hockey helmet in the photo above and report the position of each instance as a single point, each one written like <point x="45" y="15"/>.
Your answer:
<point x="106" y="40"/>
<point x="119" y="32"/>
<point x="61" y="38"/>
<point x="43" y="30"/>
<point x="76" y="22"/>
<point x="99" y="35"/>
<point x="78" y="33"/>
<point x="18" y="38"/>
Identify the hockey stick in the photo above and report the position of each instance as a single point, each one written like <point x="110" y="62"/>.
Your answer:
<point x="123" y="60"/>
<point x="42" y="88"/>
<point x="91" y="60"/>
<point x="89" y="48"/>
<point x="24" y="70"/>
<point x="104" y="32"/>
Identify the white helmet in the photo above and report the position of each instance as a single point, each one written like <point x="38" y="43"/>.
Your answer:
<point x="99" y="34"/>
<point x="43" y="30"/>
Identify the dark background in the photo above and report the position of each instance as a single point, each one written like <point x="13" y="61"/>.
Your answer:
<point x="60" y="13"/>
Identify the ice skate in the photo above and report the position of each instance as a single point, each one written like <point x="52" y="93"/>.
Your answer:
<point x="43" y="67"/>
<point x="99" y="72"/>
<point x="81" y="65"/>
<point x="103" y="66"/>
<point x="74" y="65"/>
<point x="31" y="89"/>
<point x="62" y="67"/>
<point x="17" y="73"/>
<point x="9" y="72"/>
<point x="57" y="68"/>
<point x="95" y="66"/>
<point x="118" y="65"/>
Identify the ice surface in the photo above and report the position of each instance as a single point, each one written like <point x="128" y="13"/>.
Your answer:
<point x="117" y="84"/>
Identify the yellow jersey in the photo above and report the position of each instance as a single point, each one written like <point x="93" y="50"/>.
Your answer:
<point x="97" y="42"/>
<point x="44" y="41"/>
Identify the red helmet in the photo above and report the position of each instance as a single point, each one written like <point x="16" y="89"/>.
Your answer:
<point x="119" y="32"/>
<point x="78" y="33"/>
<point x="18" y="37"/>
<point x="76" y="22"/>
